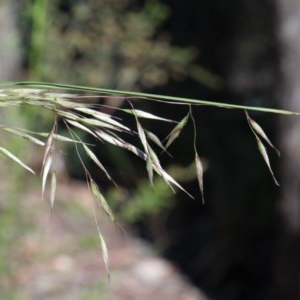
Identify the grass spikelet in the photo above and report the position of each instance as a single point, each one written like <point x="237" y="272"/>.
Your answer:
<point x="94" y="158"/>
<point x="152" y="137"/>
<point x="121" y="143"/>
<point x="23" y="135"/>
<point x="45" y="172"/>
<point x="143" y="114"/>
<point x="15" y="159"/>
<point x="160" y="171"/>
<point x="149" y="166"/>
<point x="174" y="134"/>
<point x="199" y="172"/>
<point x="81" y="127"/>
<point x="100" y="199"/>
<point x="49" y="143"/>
<point x="258" y="130"/>
<point x="170" y="180"/>
<point x="48" y="156"/>
<point x="198" y="162"/>
<point x="103" y="247"/>
<point x="53" y="189"/>
<point x="142" y="136"/>
<point x="265" y="156"/>
<point x="56" y="136"/>
<point x="104" y="118"/>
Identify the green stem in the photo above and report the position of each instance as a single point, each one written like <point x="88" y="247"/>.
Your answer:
<point x="146" y="96"/>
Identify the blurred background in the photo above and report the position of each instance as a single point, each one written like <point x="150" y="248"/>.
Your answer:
<point x="244" y="243"/>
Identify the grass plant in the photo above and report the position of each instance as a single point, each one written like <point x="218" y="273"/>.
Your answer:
<point x="76" y="108"/>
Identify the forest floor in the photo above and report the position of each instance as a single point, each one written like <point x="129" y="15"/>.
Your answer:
<point x="44" y="257"/>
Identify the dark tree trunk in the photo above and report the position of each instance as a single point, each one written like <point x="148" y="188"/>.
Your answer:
<point x="10" y="53"/>
<point x="288" y="261"/>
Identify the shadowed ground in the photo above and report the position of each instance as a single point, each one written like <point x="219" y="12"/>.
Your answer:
<point x="60" y="258"/>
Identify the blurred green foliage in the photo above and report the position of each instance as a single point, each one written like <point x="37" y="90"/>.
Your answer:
<point x="145" y="201"/>
<point x="113" y="44"/>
